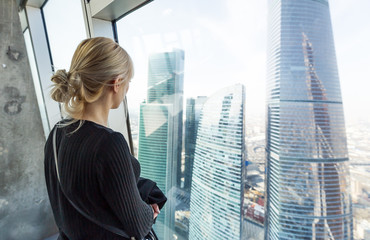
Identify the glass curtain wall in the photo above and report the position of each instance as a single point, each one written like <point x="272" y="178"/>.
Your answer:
<point x="308" y="183"/>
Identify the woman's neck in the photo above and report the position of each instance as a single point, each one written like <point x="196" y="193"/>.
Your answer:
<point x="97" y="112"/>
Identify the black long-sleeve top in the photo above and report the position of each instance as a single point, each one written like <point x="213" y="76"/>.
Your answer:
<point x="99" y="175"/>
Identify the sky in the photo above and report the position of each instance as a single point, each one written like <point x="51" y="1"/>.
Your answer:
<point x="226" y="43"/>
<point x="351" y="28"/>
<point x="220" y="50"/>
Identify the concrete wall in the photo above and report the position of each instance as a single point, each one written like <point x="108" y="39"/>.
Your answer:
<point x="24" y="206"/>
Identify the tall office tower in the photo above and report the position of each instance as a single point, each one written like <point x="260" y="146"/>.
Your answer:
<point x="193" y="109"/>
<point x="160" y="131"/>
<point x="308" y="181"/>
<point x="217" y="188"/>
<point x="166" y="85"/>
<point x="155" y="156"/>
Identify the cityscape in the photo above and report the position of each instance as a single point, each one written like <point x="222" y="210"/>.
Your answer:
<point x="193" y="136"/>
<point x="251" y="116"/>
<point x="359" y="154"/>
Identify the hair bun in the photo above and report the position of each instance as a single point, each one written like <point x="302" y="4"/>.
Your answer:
<point x="60" y="91"/>
<point x="60" y="77"/>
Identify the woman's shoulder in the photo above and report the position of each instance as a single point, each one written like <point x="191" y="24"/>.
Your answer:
<point x="110" y="139"/>
<point x="70" y="126"/>
<point x="86" y="129"/>
<point x="94" y="125"/>
<point x="107" y="132"/>
<point x="89" y="130"/>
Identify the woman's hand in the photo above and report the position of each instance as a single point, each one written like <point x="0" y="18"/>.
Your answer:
<point x="155" y="210"/>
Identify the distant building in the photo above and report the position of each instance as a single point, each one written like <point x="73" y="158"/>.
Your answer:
<point x="160" y="131"/>
<point x="308" y="184"/>
<point x="193" y="109"/>
<point x="217" y="185"/>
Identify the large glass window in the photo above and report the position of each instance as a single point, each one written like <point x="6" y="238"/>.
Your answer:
<point x="65" y="27"/>
<point x="36" y="81"/>
<point x="185" y="103"/>
<point x="194" y="71"/>
<point x="198" y="111"/>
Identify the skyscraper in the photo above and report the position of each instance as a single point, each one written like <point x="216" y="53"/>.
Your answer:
<point x="193" y="109"/>
<point x="217" y="185"/>
<point x="307" y="191"/>
<point x="160" y="130"/>
<point x="166" y="85"/>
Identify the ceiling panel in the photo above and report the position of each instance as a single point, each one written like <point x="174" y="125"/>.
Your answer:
<point x="110" y="10"/>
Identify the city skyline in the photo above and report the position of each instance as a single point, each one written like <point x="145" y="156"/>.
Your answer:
<point x="224" y="45"/>
<point x="194" y="92"/>
<point x="239" y="31"/>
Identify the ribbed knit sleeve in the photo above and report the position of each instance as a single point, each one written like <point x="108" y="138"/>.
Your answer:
<point x="118" y="185"/>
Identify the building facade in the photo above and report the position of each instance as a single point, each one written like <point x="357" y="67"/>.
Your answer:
<point x="217" y="184"/>
<point x="193" y="109"/>
<point x="307" y="174"/>
<point x="166" y="85"/>
<point x="160" y="131"/>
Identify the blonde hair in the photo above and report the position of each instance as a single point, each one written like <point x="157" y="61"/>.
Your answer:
<point x="95" y="64"/>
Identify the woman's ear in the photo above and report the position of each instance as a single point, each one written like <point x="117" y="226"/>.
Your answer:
<point x="116" y="85"/>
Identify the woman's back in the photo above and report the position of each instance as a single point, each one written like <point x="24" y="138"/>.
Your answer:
<point x="99" y="175"/>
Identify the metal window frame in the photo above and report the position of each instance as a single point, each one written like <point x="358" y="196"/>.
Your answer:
<point x="100" y="18"/>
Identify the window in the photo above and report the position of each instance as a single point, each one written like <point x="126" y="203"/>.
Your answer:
<point x="187" y="109"/>
<point x="197" y="108"/>
<point x="65" y="28"/>
<point x="195" y="51"/>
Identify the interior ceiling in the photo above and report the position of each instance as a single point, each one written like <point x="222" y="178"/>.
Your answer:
<point x="108" y="10"/>
<point x="114" y="9"/>
<point x="32" y="3"/>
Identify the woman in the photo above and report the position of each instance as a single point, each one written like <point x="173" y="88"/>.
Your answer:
<point x="98" y="177"/>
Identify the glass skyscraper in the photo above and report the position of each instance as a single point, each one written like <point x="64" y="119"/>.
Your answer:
<point x="307" y="171"/>
<point x="193" y="109"/>
<point x="217" y="185"/>
<point x="160" y="131"/>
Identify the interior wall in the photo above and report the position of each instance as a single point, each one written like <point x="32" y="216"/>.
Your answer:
<point x="24" y="206"/>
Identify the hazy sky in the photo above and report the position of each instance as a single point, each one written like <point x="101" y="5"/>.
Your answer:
<point x="226" y="43"/>
<point x="351" y="26"/>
